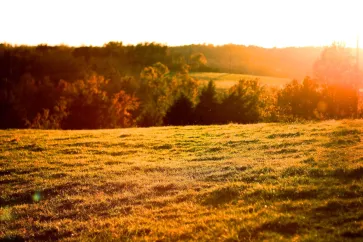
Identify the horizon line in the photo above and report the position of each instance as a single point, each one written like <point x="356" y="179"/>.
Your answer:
<point x="169" y="45"/>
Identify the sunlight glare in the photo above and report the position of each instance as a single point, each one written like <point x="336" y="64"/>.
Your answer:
<point x="262" y="22"/>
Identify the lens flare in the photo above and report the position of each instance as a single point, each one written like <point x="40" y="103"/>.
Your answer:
<point x="36" y="197"/>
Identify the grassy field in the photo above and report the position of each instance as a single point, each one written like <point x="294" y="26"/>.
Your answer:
<point x="285" y="182"/>
<point x="226" y="80"/>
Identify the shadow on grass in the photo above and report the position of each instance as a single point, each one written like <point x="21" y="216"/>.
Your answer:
<point x="284" y="151"/>
<point x="85" y="144"/>
<point x="282" y="194"/>
<point x="12" y="238"/>
<point x="32" y="148"/>
<point x="7" y="172"/>
<point x="336" y="206"/>
<point x="345" y="132"/>
<point x="348" y="174"/>
<point x="51" y="234"/>
<point x="164" y="188"/>
<point x="163" y="147"/>
<point x="125" y="135"/>
<point x="70" y="151"/>
<point x="209" y="158"/>
<point x="75" y="137"/>
<point x="13" y="181"/>
<point x="68" y="204"/>
<point x="284" y="135"/>
<point x="116" y="187"/>
<point x="342" y="142"/>
<point x="342" y="213"/>
<point x="294" y="171"/>
<point x="241" y="142"/>
<point x="222" y="176"/>
<point x="22" y="171"/>
<point x="122" y="153"/>
<point x="33" y="196"/>
<point x="358" y="233"/>
<point x="215" y="149"/>
<point x="285" y="226"/>
<point x="222" y="196"/>
<point x="343" y="137"/>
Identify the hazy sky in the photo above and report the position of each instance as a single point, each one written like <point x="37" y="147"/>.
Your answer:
<point x="266" y="23"/>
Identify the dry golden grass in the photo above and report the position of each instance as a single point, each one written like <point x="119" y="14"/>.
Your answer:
<point x="285" y="182"/>
<point x="226" y="80"/>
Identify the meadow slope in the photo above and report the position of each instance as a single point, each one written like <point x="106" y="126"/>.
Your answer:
<point x="227" y="80"/>
<point x="293" y="182"/>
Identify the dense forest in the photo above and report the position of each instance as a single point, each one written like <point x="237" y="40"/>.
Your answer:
<point x="61" y="87"/>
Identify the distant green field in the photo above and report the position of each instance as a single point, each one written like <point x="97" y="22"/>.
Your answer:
<point x="226" y="80"/>
<point x="260" y="182"/>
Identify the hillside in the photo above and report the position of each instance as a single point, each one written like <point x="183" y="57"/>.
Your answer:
<point x="201" y="183"/>
<point x="291" y="62"/>
<point x="227" y="80"/>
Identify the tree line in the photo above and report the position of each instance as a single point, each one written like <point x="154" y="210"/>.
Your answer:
<point x="146" y="85"/>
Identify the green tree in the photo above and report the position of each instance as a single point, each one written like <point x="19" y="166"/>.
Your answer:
<point x="301" y="100"/>
<point x="197" y="61"/>
<point x="242" y="104"/>
<point x="154" y="95"/>
<point x="206" y="111"/>
<point x="184" y="84"/>
<point x="181" y="112"/>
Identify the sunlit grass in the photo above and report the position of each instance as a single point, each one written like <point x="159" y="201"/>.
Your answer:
<point x="202" y="183"/>
<point x="227" y="80"/>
